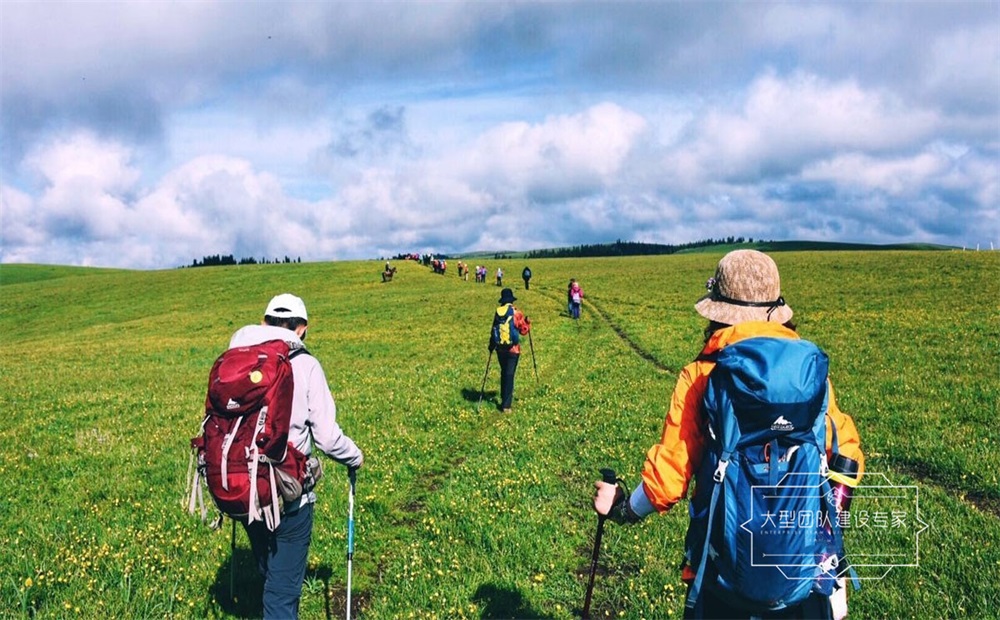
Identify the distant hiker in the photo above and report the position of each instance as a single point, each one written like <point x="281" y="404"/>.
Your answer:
<point x="281" y="555"/>
<point x="499" y="276"/>
<point x="575" y="298"/>
<point x="754" y="408"/>
<point x="388" y="272"/>
<point x="526" y="276"/>
<point x="509" y="324"/>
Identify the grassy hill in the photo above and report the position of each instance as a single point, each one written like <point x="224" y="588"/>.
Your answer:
<point x="462" y="512"/>
<point x="18" y="274"/>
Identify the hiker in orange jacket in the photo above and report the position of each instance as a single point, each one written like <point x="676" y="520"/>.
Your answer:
<point x="736" y="310"/>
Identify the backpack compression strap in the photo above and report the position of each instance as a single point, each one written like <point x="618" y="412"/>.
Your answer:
<point x="271" y="516"/>
<point x="719" y="477"/>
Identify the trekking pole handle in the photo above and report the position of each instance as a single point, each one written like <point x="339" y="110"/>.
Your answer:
<point x="352" y="473"/>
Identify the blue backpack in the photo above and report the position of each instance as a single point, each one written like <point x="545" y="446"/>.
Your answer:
<point x="764" y="533"/>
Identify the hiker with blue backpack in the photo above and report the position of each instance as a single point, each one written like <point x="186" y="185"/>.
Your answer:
<point x="509" y="324"/>
<point x="754" y="420"/>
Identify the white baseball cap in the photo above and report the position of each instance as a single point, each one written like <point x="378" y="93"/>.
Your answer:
<point x="286" y="306"/>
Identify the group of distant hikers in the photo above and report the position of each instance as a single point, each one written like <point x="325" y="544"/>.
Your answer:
<point x="751" y="419"/>
<point x="440" y="266"/>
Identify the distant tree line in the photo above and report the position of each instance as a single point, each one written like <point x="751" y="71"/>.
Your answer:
<point x="228" y="259"/>
<point x="630" y="248"/>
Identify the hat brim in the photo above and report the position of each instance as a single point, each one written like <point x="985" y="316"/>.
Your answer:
<point x="729" y="314"/>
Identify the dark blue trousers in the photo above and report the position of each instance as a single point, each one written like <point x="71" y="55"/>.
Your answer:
<point x="281" y="559"/>
<point x="508" y="368"/>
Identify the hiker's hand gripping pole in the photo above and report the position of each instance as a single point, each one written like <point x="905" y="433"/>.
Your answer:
<point x="608" y="476"/>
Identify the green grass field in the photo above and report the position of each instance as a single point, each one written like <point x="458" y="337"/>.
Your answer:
<point x="466" y="514"/>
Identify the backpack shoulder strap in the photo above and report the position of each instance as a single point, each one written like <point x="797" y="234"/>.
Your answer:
<point x="299" y="351"/>
<point x="708" y="357"/>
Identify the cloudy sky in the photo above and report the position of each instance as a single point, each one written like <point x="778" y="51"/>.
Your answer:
<point x="147" y="134"/>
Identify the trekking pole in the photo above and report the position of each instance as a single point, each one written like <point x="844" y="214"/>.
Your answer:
<point x="232" y="562"/>
<point x="352" y="474"/>
<point x="609" y="476"/>
<point x="482" y="390"/>
<point x="531" y="344"/>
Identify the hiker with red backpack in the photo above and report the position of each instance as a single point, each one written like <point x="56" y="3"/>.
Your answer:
<point x="269" y="438"/>
<point x="754" y="419"/>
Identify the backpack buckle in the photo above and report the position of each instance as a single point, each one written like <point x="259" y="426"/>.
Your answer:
<point x="720" y="471"/>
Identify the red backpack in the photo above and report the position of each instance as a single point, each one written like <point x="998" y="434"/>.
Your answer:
<point x="243" y="452"/>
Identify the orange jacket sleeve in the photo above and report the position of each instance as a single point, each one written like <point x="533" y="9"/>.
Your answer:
<point x="848" y="440"/>
<point x="670" y="463"/>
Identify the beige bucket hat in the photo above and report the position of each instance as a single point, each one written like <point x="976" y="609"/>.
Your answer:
<point x="746" y="287"/>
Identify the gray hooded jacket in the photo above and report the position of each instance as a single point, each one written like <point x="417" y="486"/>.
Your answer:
<point x="314" y="414"/>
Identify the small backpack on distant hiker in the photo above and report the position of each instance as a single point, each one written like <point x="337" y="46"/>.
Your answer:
<point x="505" y="333"/>
<point x="243" y="453"/>
<point x="764" y="533"/>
